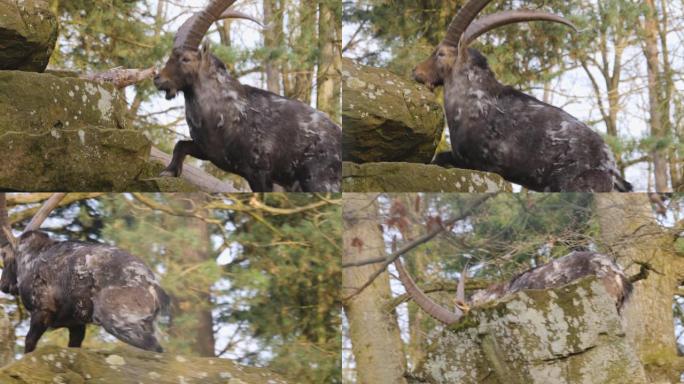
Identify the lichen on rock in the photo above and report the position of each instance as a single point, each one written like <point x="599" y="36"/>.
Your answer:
<point x="127" y="365"/>
<point x="412" y="177"/>
<point x="28" y="32"/>
<point x="566" y="335"/>
<point x="386" y="117"/>
<point x="68" y="134"/>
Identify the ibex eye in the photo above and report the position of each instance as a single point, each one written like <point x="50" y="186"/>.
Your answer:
<point x="440" y="54"/>
<point x="185" y="59"/>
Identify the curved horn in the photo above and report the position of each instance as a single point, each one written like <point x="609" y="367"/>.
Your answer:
<point x="462" y="20"/>
<point x="190" y="34"/>
<point x="433" y="309"/>
<point x="499" y="19"/>
<point x="232" y="14"/>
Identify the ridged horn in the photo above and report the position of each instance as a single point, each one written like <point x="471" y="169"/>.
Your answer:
<point x="190" y="34"/>
<point x="433" y="309"/>
<point x="462" y="20"/>
<point x="499" y="19"/>
<point x="233" y="14"/>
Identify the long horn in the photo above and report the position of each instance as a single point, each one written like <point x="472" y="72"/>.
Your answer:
<point x="233" y="14"/>
<point x="190" y="34"/>
<point x="496" y="20"/>
<point x="433" y="309"/>
<point x="48" y="206"/>
<point x="462" y="20"/>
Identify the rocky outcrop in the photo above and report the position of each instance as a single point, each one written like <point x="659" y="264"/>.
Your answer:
<point x="61" y="133"/>
<point x="127" y="365"/>
<point x="6" y="339"/>
<point x="386" y="117"/>
<point x="572" y="334"/>
<point x="28" y="32"/>
<point x="410" y="177"/>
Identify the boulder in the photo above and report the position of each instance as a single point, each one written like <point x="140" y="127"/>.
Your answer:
<point x="127" y="365"/>
<point x="411" y="177"/>
<point x="66" y="134"/>
<point x="386" y="117"/>
<point x="7" y="341"/>
<point x="572" y="334"/>
<point x="28" y="32"/>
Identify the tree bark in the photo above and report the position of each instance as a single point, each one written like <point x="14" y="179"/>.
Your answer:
<point x="272" y="35"/>
<point x="197" y="302"/>
<point x="374" y="332"/>
<point x="330" y="59"/>
<point x="630" y="232"/>
<point x="650" y="29"/>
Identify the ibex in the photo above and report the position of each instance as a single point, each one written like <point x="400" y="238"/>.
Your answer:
<point x="556" y="273"/>
<point x="498" y="129"/>
<point x="70" y="284"/>
<point x="261" y="136"/>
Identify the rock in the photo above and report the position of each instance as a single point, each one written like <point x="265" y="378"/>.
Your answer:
<point x="66" y="134"/>
<point x="127" y="365"/>
<point x="572" y="334"/>
<point x="386" y="117"/>
<point x="411" y="177"/>
<point x="6" y="339"/>
<point x="28" y="32"/>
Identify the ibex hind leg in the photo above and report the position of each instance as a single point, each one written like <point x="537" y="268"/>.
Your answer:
<point x="592" y="180"/>
<point x="128" y="314"/>
<point x="320" y="176"/>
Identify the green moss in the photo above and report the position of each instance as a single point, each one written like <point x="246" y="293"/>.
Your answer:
<point x="386" y="117"/>
<point x="29" y="33"/>
<point x="411" y="177"/>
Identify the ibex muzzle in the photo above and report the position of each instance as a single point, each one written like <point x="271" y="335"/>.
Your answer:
<point x="261" y="136"/>
<point x="498" y="129"/>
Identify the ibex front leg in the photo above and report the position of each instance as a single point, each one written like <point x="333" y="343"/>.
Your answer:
<point x="182" y="149"/>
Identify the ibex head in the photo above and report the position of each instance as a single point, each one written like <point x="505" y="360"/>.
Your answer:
<point x="186" y="62"/>
<point x="452" y="52"/>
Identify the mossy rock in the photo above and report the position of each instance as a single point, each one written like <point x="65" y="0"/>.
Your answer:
<point x="386" y="117"/>
<point x="411" y="177"/>
<point x="127" y="365"/>
<point x="566" y="335"/>
<point x="66" y="134"/>
<point x="28" y="32"/>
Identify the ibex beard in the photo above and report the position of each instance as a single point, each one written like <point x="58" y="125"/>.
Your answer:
<point x="71" y="284"/>
<point x="496" y="128"/>
<point x="261" y="136"/>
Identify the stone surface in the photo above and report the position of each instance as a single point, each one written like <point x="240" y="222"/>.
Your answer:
<point x="386" y="117"/>
<point x="28" y="32"/>
<point x="6" y="339"/>
<point x="567" y="335"/>
<point x="127" y="365"/>
<point x="411" y="177"/>
<point x="67" y="134"/>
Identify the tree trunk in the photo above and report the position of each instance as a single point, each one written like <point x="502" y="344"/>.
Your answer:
<point x="200" y="328"/>
<point x="374" y="332"/>
<point x="304" y="44"/>
<point x="653" y="67"/>
<point x="630" y="232"/>
<point x="330" y="59"/>
<point x="272" y="35"/>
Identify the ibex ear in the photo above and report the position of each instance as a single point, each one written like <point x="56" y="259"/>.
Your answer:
<point x="205" y="49"/>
